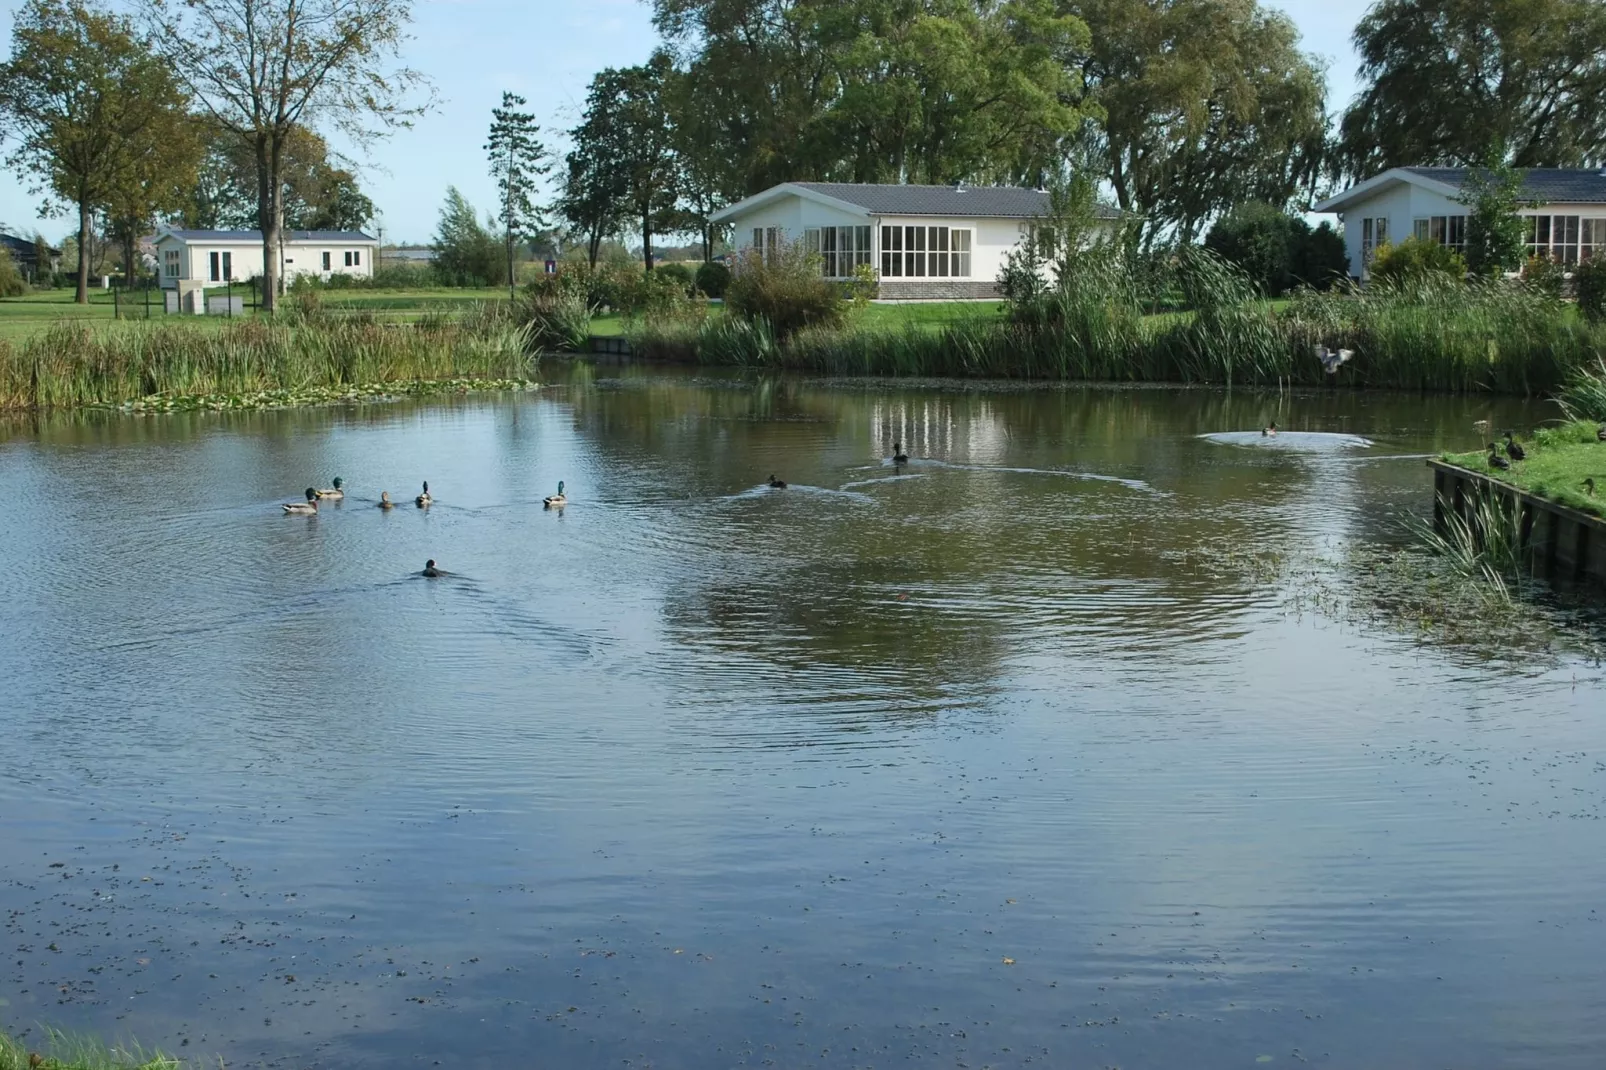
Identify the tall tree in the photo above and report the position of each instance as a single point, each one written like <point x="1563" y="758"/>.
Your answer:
<point x="465" y="252"/>
<point x="517" y="159"/>
<point x="264" y="68"/>
<point x="592" y="201"/>
<point x="317" y="194"/>
<point x="626" y="129"/>
<point x="1206" y="103"/>
<point x="1494" y="229"/>
<point x="1446" y="81"/>
<point x="87" y="105"/>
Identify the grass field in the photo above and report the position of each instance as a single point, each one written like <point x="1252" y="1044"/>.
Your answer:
<point x="1559" y="460"/>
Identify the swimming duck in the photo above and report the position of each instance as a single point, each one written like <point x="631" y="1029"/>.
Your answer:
<point x="1513" y="450"/>
<point x="423" y="500"/>
<point x="334" y="492"/>
<point x="1495" y="460"/>
<point x="898" y="456"/>
<point x="431" y="571"/>
<point x="1268" y="431"/>
<point x="556" y="501"/>
<point x="778" y="484"/>
<point x="306" y="508"/>
<point x="384" y="500"/>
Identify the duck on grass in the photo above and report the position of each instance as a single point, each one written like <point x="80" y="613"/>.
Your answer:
<point x="1563" y="464"/>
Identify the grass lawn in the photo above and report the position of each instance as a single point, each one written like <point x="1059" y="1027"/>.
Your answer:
<point x="1559" y="460"/>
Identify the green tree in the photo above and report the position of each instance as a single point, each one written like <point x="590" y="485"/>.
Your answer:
<point x="87" y="104"/>
<point x="1495" y="238"/>
<point x="626" y="131"/>
<point x="466" y="253"/>
<point x="1443" y="80"/>
<point x="1278" y="251"/>
<point x="316" y="195"/>
<point x="517" y="159"/>
<point x="158" y="185"/>
<point x="592" y="201"/>
<point x="1206" y="104"/>
<point x="265" y="69"/>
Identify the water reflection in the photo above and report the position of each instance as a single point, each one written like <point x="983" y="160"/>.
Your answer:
<point x="1013" y="751"/>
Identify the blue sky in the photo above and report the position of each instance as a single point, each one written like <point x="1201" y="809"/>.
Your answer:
<point x="547" y="51"/>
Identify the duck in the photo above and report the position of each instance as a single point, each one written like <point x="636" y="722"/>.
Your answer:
<point x="1514" y="450"/>
<point x="306" y="508"/>
<point x="1332" y="358"/>
<point x="1589" y="486"/>
<point x="1600" y="433"/>
<point x="1268" y="431"/>
<point x="777" y="484"/>
<point x="423" y="500"/>
<point x="898" y="456"/>
<point x="333" y="493"/>
<point x="431" y="571"/>
<point x="1495" y="460"/>
<point x="384" y="500"/>
<point x="555" y="501"/>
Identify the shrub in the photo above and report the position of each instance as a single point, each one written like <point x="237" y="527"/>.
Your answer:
<point x="712" y="279"/>
<point x="1589" y="282"/>
<point x="680" y="273"/>
<point x="785" y="289"/>
<point x="1260" y="240"/>
<point x="1544" y="276"/>
<point x="1413" y="258"/>
<point x="11" y="281"/>
<point x="1320" y="259"/>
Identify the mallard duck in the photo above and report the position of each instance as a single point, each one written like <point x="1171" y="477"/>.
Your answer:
<point x="1600" y="433"/>
<point x="556" y="501"/>
<point x="778" y="484"/>
<point x="431" y="571"/>
<point x="898" y="456"/>
<point x="384" y="500"/>
<point x="333" y="492"/>
<point x="423" y="500"/>
<point x="1268" y="431"/>
<point x="1589" y="486"/>
<point x="306" y="508"/>
<point x="1513" y="450"/>
<point x="1495" y="460"/>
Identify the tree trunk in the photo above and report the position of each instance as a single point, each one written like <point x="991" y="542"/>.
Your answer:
<point x="508" y="223"/>
<point x="129" y="241"/>
<point x="270" y="217"/>
<point x="646" y="239"/>
<point x="85" y="214"/>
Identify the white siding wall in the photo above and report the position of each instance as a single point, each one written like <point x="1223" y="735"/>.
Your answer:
<point x="195" y="259"/>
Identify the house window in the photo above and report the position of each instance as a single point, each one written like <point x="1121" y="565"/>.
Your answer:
<point x="840" y="249"/>
<point x="356" y="258"/>
<point x="326" y="257"/>
<point x="1374" y="232"/>
<point x="228" y="267"/>
<point x="925" y="252"/>
<point x="170" y="263"/>
<point x="1450" y="230"/>
<point x="758" y="240"/>
<point x="1562" y="237"/>
<point x="216" y="273"/>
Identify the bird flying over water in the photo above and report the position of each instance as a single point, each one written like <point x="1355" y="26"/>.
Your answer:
<point x="1332" y="358"/>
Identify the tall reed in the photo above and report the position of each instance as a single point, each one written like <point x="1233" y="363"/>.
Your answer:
<point x="75" y="364"/>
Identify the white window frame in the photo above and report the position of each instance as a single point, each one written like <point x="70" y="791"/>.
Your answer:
<point x="926" y="251"/>
<point x="1564" y="237"/>
<point x="170" y="263"/>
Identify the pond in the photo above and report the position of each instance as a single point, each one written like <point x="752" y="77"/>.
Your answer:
<point x="1028" y="752"/>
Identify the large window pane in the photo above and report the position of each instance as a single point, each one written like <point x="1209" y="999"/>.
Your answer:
<point x="861" y="252"/>
<point x="1419" y="229"/>
<point x="960" y="258"/>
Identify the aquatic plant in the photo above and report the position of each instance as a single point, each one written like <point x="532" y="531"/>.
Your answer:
<point x="74" y="365"/>
<point x="1483" y="542"/>
<point x="65" y="1052"/>
<point x="1583" y="396"/>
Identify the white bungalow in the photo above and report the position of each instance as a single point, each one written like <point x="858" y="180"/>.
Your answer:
<point x="1565" y="209"/>
<point x="216" y="257"/>
<point x="922" y="242"/>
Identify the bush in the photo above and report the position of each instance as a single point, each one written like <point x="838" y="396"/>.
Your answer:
<point x="1278" y="251"/>
<point x="1589" y="282"/>
<point x="11" y="281"/>
<point x="713" y="279"/>
<point x="1416" y="259"/>
<point x="786" y="290"/>
<point x="680" y="273"/>
<point x="1544" y="276"/>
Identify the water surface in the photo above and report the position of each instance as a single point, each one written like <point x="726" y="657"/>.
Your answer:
<point x="1011" y="755"/>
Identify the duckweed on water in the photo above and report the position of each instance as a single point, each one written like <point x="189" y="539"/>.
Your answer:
<point x="157" y="404"/>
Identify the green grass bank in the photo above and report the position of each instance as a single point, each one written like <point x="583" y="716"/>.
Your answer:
<point x="1559" y="461"/>
<point x="74" y="364"/>
<point x="59" y="1051"/>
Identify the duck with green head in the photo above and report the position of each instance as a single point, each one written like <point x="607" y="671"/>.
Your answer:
<point x="423" y="500"/>
<point x="556" y="501"/>
<point x="306" y="508"/>
<point x="333" y="493"/>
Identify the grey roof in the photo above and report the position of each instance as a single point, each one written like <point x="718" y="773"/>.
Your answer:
<point x="256" y="235"/>
<point x="1002" y="202"/>
<point x="1539" y="184"/>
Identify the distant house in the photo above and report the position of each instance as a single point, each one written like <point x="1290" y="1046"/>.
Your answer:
<point x="923" y="242"/>
<point x="25" y="254"/>
<point x="1565" y="211"/>
<point x="217" y="257"/>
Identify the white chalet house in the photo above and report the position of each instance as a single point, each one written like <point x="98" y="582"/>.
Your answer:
<point x="1564" y="210"/>
<point x="922" y="242"/>
<point x="216" y="257"/>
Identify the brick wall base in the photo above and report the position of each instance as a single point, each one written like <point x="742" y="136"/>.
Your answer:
<point x="936" y="290"/>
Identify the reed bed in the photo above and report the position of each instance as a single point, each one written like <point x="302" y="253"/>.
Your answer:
<point x="1420" y="335"/>
<point x="73" y="365"/>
